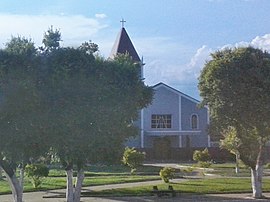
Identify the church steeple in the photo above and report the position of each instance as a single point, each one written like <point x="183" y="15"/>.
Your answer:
<point x="124" y="45"/>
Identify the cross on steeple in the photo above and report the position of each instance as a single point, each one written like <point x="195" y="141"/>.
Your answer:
<point x="123" y="22"/>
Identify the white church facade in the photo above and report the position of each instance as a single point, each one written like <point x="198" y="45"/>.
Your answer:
<point x="173" y="126"/>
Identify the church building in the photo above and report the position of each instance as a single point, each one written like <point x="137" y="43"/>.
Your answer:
<point x="173" y="126"/>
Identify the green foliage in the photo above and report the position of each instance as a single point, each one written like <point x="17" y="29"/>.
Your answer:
<point x="133" y="158"/>
<point x="20" y="46"/>
<point x="89" y="47"/>
<point x="166" y="174"/>
<point x="202" y="157"/>
<point x="235" y="84"/>
<point x="66" y="99"/>
<point x="36" y="172"/>
<point x="51" y="39"/>
<point x="230" y="142"/>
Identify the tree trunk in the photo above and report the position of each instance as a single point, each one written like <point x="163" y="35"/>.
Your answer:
<point x="69" y="189"/>
<point x="21" y="181"/>
<point x="257" y="174"/>
<point x="237" y="159"/>
<point x="17" y="190"/>
<point x="1" y="174"/>
<point x="78" y="188"/>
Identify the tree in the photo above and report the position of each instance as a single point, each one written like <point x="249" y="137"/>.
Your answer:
<point x="36" y="172"/>
<point x="231" y="143"/>
<point x="167" y="174"/>
<point x="235" y="85"/>
<point x="22" y="113"/>
<point x="93" y="104"/>
<point x="51" y="39"/>
<point x="202" y="157"/>
<point x="133" y="158"/>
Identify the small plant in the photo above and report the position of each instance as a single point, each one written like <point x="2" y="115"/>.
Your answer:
<point x="36" y="172"/>
<point x="133" y="158"/>
<point x="202" y="157"/>
<point x="166" y="174"/>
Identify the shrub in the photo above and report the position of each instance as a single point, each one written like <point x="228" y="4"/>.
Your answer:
<point x="36" y="172"/>
<point x="167" y="173"/>
<point x="202" y="157"/>
<point x="133" y="158"/>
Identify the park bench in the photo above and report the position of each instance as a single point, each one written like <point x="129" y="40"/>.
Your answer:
<point x="168" y="192"/>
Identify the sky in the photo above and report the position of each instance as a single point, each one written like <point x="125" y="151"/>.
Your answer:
<point x="174" y="37"/>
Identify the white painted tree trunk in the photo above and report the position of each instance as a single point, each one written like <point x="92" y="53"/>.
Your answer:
<point x="69" y="189"/>
<point x="256" y="181"/>
<point x="17" y="190"/>
<point x="257" y="174"/>
<point x="237" y="159"/>
<point x="78" y="187"/>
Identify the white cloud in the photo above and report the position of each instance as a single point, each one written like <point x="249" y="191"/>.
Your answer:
<point x="100" y="15"/>
<point x="262" y="42"/>
<point x="74" y="29"/>
<point x="178" y="71"/>
<point x="198" y="60"/>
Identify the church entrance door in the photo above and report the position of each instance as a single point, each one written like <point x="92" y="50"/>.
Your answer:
<point x="162" y="149"/>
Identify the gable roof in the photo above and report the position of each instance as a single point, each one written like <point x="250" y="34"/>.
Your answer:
<point x="124" y="45"/>
<point x="175" y="91"/>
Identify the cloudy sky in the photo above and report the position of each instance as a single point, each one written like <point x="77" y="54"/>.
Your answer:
<point x="175" y="37"/>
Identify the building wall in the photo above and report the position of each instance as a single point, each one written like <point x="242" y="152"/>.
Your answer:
<point x="164" y="102"/>
<point x="180" y="140"/>
<point x="189" y="108"/>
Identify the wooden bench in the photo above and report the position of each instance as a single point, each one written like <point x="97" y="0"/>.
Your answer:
<point x="169" y="192"/>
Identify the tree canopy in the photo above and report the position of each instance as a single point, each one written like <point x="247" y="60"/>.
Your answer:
<point x="235" y="84"/>
<point x="68" y="99"/>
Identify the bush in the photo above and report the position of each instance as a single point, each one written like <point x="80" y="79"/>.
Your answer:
<point x="166" y="174"/>
<point x="36" y="172"/>
<point x="133" y="158"/>
<point x="202" y="157"/>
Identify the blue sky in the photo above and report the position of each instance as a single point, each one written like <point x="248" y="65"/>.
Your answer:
<point x="175" y="37"/>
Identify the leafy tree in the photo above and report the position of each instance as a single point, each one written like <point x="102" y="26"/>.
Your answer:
<point x="93" y="103"/>
<point x="20" y="46"/>
<point x="89" y="47"/>
<point x="235" y="85"/>
<point x="36" y="172"/>
<point x="231" y="142"/>
<point x="22" y="113"/>
<point x="202" y="157"/>
<point x="133" y="158"/>
<point x="167" y="173"/>
<point x="51" y="39"/>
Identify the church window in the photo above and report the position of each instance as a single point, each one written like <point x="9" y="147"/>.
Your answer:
<point x="161" y="121"/>
<point x="194" y="121"/>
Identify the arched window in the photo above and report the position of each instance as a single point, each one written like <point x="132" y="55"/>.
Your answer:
<point x="194" y="121"/>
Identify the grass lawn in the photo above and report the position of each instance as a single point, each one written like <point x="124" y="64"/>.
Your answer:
<point x="95" y="175"/>
<point x="192" y="186"/>
<point x="227" y="182"/>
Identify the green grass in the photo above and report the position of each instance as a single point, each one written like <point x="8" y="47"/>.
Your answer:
<point x="194" y="186"/>
<point x="60" y="182"/>
<point x="228" y="182"/>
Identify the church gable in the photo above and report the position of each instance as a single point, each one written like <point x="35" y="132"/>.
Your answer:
<point x="173" y="90"/>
